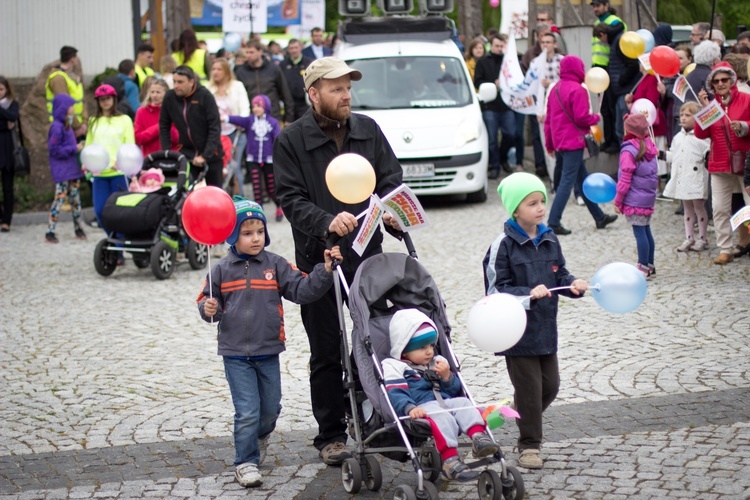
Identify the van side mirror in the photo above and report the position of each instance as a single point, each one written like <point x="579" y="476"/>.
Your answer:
<point x="487" y="92"/>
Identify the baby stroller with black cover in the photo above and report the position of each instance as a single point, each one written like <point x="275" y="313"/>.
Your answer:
<point x="148" y="225"/>
<point x="383" y="284"/>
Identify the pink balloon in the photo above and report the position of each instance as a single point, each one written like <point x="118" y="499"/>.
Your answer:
<point x="494" y="3"/>
<point x="646" y="108"/>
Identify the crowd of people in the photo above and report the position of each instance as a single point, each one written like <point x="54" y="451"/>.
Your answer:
<point x="556" y="154"/>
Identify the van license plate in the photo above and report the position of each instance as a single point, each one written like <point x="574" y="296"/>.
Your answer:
<point x="412" y="170"/>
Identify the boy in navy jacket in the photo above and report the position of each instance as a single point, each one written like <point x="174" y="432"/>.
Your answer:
<point x="526" y="260"/>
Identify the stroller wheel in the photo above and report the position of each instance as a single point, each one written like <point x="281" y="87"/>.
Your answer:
<point x="374" y="477"/>
<point x="490" y="485"/>
<point x="430" y="492"/>
<point x="197" y="254"/>
<point x="141" y="260"/>
<point x="105" y="261"/>
<point x="351" y="475"/>
<point x="162" y="260"/>
<point x="432" y="463"/>
<point x="404" y="492"/>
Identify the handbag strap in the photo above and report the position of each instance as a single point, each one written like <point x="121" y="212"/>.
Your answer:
<point x="20" y="130"/>
<point x="557" y="93"/>
<point x="726" y="134"/>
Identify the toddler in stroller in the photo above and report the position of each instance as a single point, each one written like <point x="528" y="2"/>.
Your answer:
<point x="385" y="288"/>
<point x="420" y="384"/>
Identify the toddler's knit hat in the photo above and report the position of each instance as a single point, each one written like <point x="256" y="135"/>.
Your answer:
<point x="637" y="125"/>
<point x="518" y="186"/>
<point x="424" y="335"/>
<point x="247" y="209"/>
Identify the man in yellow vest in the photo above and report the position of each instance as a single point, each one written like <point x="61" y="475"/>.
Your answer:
<point x="144" y="58"/>
<point x="64" y="80"/>
<point x="607" y="26"/>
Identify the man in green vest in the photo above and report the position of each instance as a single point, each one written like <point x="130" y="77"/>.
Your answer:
<point x="64" y="80"/>
<point x="144" y="58"/>
<point x="606" y="27"/>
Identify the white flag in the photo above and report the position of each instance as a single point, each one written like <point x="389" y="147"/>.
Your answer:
<point x="519" y="92"/>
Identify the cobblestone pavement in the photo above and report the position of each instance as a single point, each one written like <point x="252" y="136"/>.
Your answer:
<point x="111" y="387"/>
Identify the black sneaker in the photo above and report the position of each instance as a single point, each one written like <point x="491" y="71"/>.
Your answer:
<point x="561" y="230"/>
<point x="80" y="234"/>
<point x="51" y="238"/>
<point x="506" y="167"/>
<point x="483" y="445"/>
<point x="608" y="219"/>
<point x="493" y="174"/>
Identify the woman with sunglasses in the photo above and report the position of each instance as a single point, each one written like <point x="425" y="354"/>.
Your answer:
<point x="730" y="137"/>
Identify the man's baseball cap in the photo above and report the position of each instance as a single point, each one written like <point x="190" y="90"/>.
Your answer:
<point x="329" y="68"/>
<point x="598" y="2"/>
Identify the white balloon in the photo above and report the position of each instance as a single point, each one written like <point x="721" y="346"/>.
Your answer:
<point x="646" y="108"/>
<point x="350" y="178"/>
<point x="95" y="158"/>
<point x="129" y="159"/>
<point x="496" y="322"/>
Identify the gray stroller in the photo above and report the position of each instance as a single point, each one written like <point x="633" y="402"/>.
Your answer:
<point x="383" y="284"/>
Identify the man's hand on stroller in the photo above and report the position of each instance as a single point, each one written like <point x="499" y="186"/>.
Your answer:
<point x="418" y="413"/>
<point x="343" y="224"/>
<point x="199" y="161"/>
<point x="391" y="221"/>
<point x="329" y="255"/>
<point x="211" y="307"/>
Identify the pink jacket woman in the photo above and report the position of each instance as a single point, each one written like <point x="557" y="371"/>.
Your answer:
<point x="560" y="132"/>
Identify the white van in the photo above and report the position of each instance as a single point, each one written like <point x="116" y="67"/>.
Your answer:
<point x="417" y="88"/>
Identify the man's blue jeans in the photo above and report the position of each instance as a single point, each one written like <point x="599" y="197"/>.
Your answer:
<point x="573" y="173"/>
<point x="504" y="121"/>
<point x="256" y="394"/>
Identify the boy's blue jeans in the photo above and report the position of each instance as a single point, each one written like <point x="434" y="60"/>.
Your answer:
<point x="256" y="394"/>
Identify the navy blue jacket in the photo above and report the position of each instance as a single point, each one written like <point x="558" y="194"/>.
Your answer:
<point x="514" y="264"/>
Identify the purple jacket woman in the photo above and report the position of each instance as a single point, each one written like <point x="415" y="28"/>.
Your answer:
<point x="63" y="154"/>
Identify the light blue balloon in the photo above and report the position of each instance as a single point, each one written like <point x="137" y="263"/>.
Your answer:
<point x="232" y="42"/>
<point x="618" y="287"/>
<point x="648" y="39"/>
<point x="599" y="188"/>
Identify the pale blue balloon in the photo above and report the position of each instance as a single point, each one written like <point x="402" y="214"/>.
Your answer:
<point x="599" y="188"/>
<point x="618" y="287"/>
<point x="648" y="39"/>
<point x="232" y="42"/>
<point x="95" y="158"/>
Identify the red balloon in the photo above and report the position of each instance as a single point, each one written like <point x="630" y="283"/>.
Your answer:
<point x="664" y="61"/>
<point x="208" y="215"/>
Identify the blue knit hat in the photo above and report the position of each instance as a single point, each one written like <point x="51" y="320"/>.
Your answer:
<point x="247" y="209"/>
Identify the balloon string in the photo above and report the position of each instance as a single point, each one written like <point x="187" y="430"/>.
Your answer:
<point x="210" y="280"/>
<point x="599" y="103"/>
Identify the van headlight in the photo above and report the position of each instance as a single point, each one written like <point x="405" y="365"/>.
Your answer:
<point x="467" y="131"/>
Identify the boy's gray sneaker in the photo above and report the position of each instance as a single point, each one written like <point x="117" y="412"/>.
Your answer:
<point x="247" y="475"/>
<point x="263" y="446"/>
<point x="456" y="470"/>
<point x="482" y="445"/>
<point x="335" y="453"/>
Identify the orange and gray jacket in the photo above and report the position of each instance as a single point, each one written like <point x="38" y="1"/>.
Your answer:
<point x="249" y="291"/>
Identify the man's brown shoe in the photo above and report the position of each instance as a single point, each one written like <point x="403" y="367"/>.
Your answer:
<point x="724" y="258"/>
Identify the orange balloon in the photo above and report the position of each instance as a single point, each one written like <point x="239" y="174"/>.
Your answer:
<point x="596" y="131"/>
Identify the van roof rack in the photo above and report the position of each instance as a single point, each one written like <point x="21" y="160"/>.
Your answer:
<point x="370" y="30"/>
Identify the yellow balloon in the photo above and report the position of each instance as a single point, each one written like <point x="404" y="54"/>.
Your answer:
<point x="690" y="67"/>
<point x="632" y="45"/>
<point x="597" y="80"/>
<point x="350" y="178"/>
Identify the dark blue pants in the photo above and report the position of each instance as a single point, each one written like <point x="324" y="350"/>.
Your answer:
<point x="644" y="241"/>
<point x="573" y="172"/>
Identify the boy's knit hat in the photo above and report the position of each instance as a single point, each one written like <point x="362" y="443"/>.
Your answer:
<point x="247" y="209"/>
<point x="518" y="186"/>
<point x="637" y="125"/>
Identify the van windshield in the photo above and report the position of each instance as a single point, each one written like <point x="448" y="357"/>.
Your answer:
<point x="410" y="82"/>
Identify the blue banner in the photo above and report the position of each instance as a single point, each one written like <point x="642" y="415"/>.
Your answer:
<point x="280" y="13"/>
